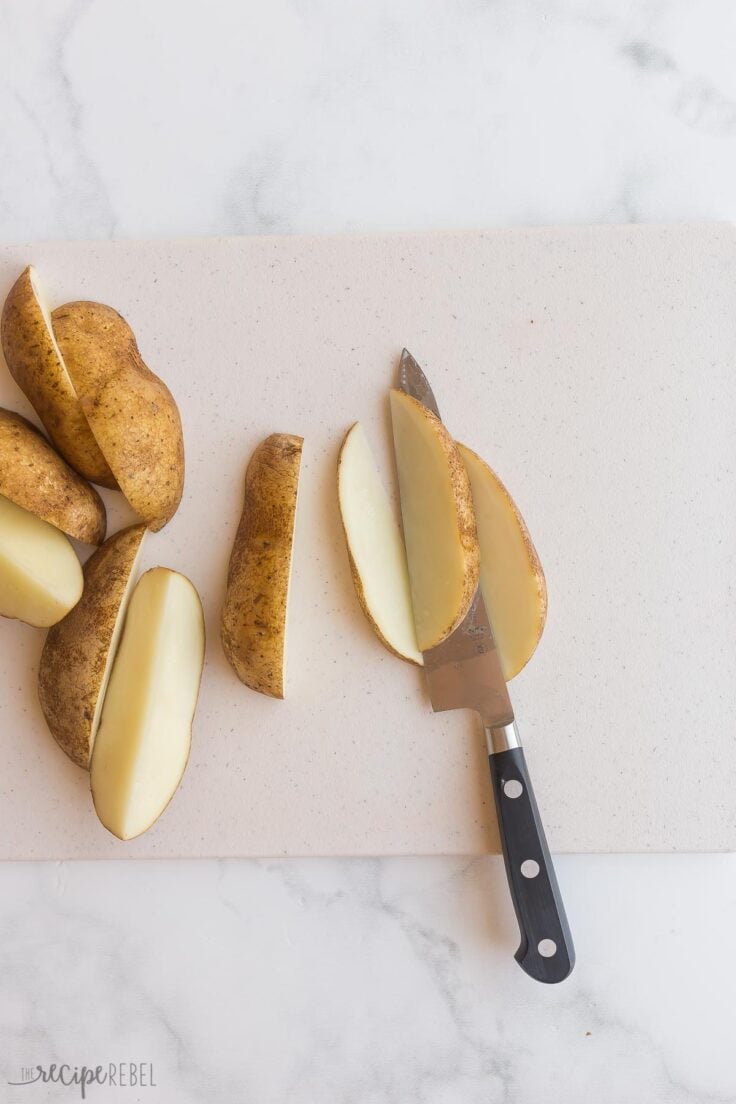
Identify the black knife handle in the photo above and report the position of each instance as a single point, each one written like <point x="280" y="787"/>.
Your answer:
<point x="530" y="872"/>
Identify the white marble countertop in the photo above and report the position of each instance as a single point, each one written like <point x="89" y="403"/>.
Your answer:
<point x="391" y="981"/>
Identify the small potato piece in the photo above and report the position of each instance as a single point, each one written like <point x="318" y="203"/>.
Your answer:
<point x="145" y="732"/>
<point x="35" y="477"/>
<point x="40" y="575"/>
<point x="375" y="548"/>
<point x="79" y="651"/>
<point x="131" y="412"/>
<point x="511" y="576"/>
<point x="253" y="628"/>
<point x="37" y="366"/>
<point x="439" y="525"/>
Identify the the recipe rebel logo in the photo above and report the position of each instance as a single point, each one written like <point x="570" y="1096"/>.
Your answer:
<point x="120" y="1075"/>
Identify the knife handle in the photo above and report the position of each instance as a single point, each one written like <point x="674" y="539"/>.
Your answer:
<point x="546" y="951"/>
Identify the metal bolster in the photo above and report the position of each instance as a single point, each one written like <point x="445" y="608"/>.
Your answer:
<point x="502" y="738"/>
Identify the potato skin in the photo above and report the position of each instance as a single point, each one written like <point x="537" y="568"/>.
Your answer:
<point x="130" y="410"/>
<point x="467" y="532"/>
<point x="37" y="367"/>
<point x="74" y="657"/>
<point x="34" y="476"/>
<point x="253" y="626"/>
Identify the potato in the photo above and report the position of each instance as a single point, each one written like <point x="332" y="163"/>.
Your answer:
<point x="145" y="731"/>
<point x="77" y="657"/>
<point x="37" y="366"/>
<point x="375" y="548"/>
<point x="40" y="575"/>
<point x="511" y="576"/>
<point x="35" y="477"/>
<point x="130" y="411"/>
<point x="253" y="627"/>
<point x="439" y="525"/>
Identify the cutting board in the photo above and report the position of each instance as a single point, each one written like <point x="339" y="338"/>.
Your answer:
<point x="595" y="369"/>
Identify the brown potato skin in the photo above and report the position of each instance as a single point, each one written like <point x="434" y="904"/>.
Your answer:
<point x="465" y="516"/>
<point x="130" y="410"/>
<point x="253" y="625"/>
<point x="74" y="656"/>
<point x="35" y="477"/>
<point x="534" y="562"/>
<point x="34" y="364"/>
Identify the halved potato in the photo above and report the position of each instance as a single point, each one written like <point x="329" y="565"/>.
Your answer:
<point x="40" y="575"/>
<point x="35" y="477"/>
<point x="145" y="732"/>
<point x="375" y="547"/>
<point x="253" y="627"/>
<point x="78" y="654"/>
<point x="439" y="526"/>
<point x="130" y="411"/>
<point x="511" y="576"/>
<point x="37" y="366"/>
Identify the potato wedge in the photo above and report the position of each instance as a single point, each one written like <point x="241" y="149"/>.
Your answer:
<point x="37" y="366"/>
<point x="131" y="412"/>
<point x="253" y="627"/>
<point x="439" y="525"/>
<point x="145" y="732"/>
<point x="511" y="576"/>
<point x="79" y="651"/>
<point x="375" y="548"/>
<point x="40" y="575"/>
<point x="35" y="477"/>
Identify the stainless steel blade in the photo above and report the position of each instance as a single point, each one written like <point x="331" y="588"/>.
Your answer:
<point x="464" y="672"/>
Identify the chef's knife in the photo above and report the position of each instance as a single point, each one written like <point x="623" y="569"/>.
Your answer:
<point x="464" y="672"/>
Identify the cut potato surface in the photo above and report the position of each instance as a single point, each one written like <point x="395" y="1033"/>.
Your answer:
<point x="40" y="575"/>
<point x="375" y="547"/>
<point x="77" y="657"/>
<point x="37" y="366"/>
<point x="253" y="627"/>
<point x="35" y="477"/>
<point x="439" y="526"/>
<point x="144" y="737"/>
<point x="511" y="576"/>
<point x="131" y="412"/>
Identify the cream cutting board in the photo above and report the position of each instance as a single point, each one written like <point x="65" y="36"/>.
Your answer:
<point x="595" y="369"/>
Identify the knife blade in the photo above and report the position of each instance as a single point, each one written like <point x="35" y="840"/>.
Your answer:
<point x="464" y="672"/>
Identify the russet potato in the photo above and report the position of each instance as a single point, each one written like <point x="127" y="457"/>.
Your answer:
<point x="375" y="547"/>
<point x="37" y="366"/>
<point x="145" y="731"/>
<point x="511" y="576"/>
<point x="253" y="626"/>
<point x="35" y="477"/>
<point x="130" y="411"/>
<point x="40" y="575"/>
<point x="439" y="525"/>
<point x="79" y="651"/>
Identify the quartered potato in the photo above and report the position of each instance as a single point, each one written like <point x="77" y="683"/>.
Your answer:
<point x="40" y="575"/>
<point x="253" y="627"/>
<point x="130" y="411"/>
<point x="37" y="366"/>
<point x="511" y="576"/>
<point x="79" y="651"/>
<point x="35" y="477"/>
<point x="145" y="731"/>
<point x="375" y="547"/>
<point x="439" y="524"/>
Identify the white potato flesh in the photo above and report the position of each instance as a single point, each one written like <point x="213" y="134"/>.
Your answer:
<point x="143" y="741"/>
<point x="376" y="547"/>
<point x="511" y="575"/>
<point x="441" y="544"/>
<point x="40" y="576"/>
